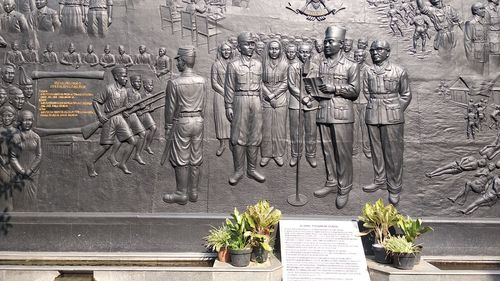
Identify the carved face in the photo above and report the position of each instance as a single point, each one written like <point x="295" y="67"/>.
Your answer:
<point x="379" y="52"/>
<point x="8" y="75"/>
<point x="3" y="97"/>
<point x="437" y="3"/>
<point x="359" y="56"/>
<point x="9" y="6"/>
<point x="260" y="48"/>
<point x="15" y="46"/>
<point x="8" y="118"/>
<point x="347" y="46"/>
<point x="121" y="50"/>
<point x="274" y="50"/>
<point x="225" y="51"/>
<point x="332" y="46"/>
<point x="107" y="49"/>
<point x="162" y="52"/>
<point x="142" y="49"/>
<point x="26" y="120"/>
<point x="246" y="48"/>
<point x="291" y="52"/>
<point x="71" y="48"/>
<point x="17" y="100"/>
<point x="318" y="45"/>
<point x="181" y="64"/>
<point x="28" y="91"/>
<point x="50" y="48"/>
<point x="90" y="49"/>
<point x="136" y="83"/>
<point x="479" y="10"/>
<point x="40" y="3"/>
<point x="121" y="78"/>
<point x="362" y="45"/>
<point x="148" y="85"/>
<point x="31" y="45"/>
<point x="304" y="53"/>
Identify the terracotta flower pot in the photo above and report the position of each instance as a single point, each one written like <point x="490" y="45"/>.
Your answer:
<point x="223" y="255"/>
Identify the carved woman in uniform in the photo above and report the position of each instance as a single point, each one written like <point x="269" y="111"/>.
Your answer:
<point x="222" y="125"/>
<point x="275" y="103"/>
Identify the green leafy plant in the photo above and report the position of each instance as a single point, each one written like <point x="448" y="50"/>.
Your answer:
<point x="412" y="228"/>
<point x="239" y="232"/>
<point x="262" y="219"/>
<point x="399" y="245"/>
<point x="218" y="238"/>
<point x="379" y="218"/>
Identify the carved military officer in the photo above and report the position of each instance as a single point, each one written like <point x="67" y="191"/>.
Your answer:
<point x="45" y="18"/>
<point x="91" y="58"/>
<point x="242" y="97"/>
<point x="71" y="57"/>
<point x="476" y="39"/>
<point x="387" y="89"/>
<point x="107" y="59"/>
<point x="184" y="113"/>
<point x="361" y="139"/>
<point x="124" y="58"/>
<point x="493" y="19"/>
<point x="336" y="115"/>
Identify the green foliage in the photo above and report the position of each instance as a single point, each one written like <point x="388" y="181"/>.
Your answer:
<point x="262" y="219"/>
<point x="412" y="228"/>
<point x="218" y="238"/>
<point x="378" y="218"/>
<point x="399" y="244"/>
<point x="239" y="232"/>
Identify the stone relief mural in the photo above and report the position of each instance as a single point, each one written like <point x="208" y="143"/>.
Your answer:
<point x="110" y="91"/>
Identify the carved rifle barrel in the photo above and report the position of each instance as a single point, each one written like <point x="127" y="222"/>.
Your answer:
<point x="98" y="75"/>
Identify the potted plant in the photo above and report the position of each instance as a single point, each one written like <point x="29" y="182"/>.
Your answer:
<point x="412" y="229"/>
<point x="402" y="251"/>
<point x="379" y="218"/>
<point x="239" y="242"/>
<point x="218" y="240"/>
<point x="262" y="220"/>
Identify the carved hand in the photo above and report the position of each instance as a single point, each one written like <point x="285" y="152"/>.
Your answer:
<point x="110" y="20"/>
<point x="229" y="114"/>
<point x="102" y="119"/>
<point x="327" y="88"/>
<point x="308" y="89"/>
<point x="273" y="103"/>
<point x="126" y="114"/>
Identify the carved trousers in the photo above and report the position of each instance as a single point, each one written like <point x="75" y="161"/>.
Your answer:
<point x="309" y="132"/>
<point x="386" y="142"/>
<point x="336" y="141"/>
<point x="97" y="24"/>
<point x="239" y="153"/>
<point x="360" y="128"/>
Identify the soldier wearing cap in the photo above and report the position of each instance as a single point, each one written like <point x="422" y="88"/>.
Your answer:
<point x="387" y="89"/>
<point x="476" y="39"/>
<point x="242" y="98"/>
<point x="184" y="112"/>
<point x="335" y="115"/>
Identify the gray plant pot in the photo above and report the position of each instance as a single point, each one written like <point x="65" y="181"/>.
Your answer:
<point x="404" y="261"/>
<point x="381" y="255"/>
<point x="259" y="255"/>
<point x="240" y="258"/>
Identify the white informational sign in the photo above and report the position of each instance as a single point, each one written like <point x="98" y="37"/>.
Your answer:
<point x="322" y="251"/>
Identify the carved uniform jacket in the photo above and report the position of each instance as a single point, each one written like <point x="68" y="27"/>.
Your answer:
<point x="13" y="22"/>
<point x="49" y="57"/>
<point x="388" y="92"/>
<point x="72" y="58"/>
<point x="476" y="40"/>
<point x="90" y="58"/>
<point x="342" y="74"/>
<point x="46" y="19"/>
<point x="108" y="58"/>
<point x="294" y="80"/>
<point x="145" y="58"/>
<point x="362" y="68"/>
<point x="493" y="20"/>
<point x="31" y="56"/>
<point x="124" y="59"/>
<point x="14" y="57"/>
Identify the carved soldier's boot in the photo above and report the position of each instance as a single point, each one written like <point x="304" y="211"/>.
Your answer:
<point x="252" y="164"/>
<point x="180" y="196"/>
<point x="312" y="161"/>
<point x="239" y="161"/>
<point x="331" y="186"/>
<point x="194" y="180"/>
<point x="374" y="187"/>
<point x="293" y="161"/>
<point x="394" y="194"/>
<point x="342" y="196"/>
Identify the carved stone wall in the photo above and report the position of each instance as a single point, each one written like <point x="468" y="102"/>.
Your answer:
<point x="444" y="87"/>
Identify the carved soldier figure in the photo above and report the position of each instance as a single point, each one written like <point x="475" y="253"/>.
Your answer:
<point x="336" y="115"/>
<point x="360" y="128"/>
<point x="487" y="199"/>
<point x="100" y="17"/>
<point x="13" y="21"/>
<point x="107" y="59"/>
<point x="444" y="18"/>
<point x="71" y="57"/>
<point x="468" y="163"/>
<point x="31" y="54"/>
<point x="25" y="156"/>
<point x="162" y="65"/>
<point x="387" y="89"/>
<point x="317" y="58"/>
<point x="348" y="52"/>
<point x="26" y="7"/>
<point x="478" y="185"/>
<point x="476" y="39"/>
<point x="73" y="17"/>
<point x="91" y="58"/>
<point x="493" y="19"/>
<point x="112" y="98"/>
<point x="275" y="66"/>
<point x="123" y="58"/>
<point x="393" y="14"/>
<point x="471" y="123"/>
<point x="146" y="119"/>
<point x="309" y="107"/>
<point x="8" y="75"/>
<point x="218" y="74"/>
<point x="14" y="56"/>
<point x="49" y="56"/>
<point x="143" y="57"/>
<point x="184" y="113"/>
<point x="407" y="8"/>
<point x="45" y="18"/>
<point x="242" y="97"/>
<point x="422" y="25"/>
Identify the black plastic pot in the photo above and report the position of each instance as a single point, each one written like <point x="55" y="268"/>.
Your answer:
<point x="381" y="255"/>
<point x="404" y="261"/>
<point x="418" y="254"/>
<point x="240" y="258"/>
<point x="259" y="255"/>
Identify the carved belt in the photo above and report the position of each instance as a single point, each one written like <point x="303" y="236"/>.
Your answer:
<point x="247" y="93"/>
<point x="98" y="9"/>
<point x="189" y="114"/>
<point x="383" y="96"/>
